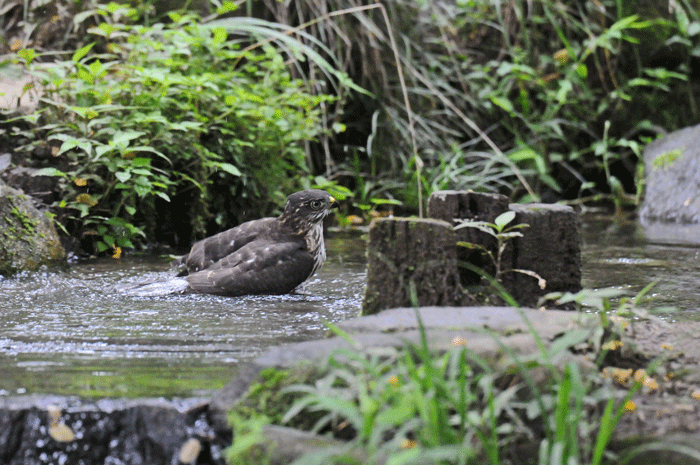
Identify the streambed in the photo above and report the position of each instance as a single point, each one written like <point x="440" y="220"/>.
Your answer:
<point x="71" y="333"/>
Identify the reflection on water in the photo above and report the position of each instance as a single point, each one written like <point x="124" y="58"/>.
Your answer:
<point x="71" y="333"/>
<point x="629" y="256"/>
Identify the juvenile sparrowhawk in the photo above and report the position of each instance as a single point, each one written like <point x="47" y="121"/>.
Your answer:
<point x="265" y="256"/>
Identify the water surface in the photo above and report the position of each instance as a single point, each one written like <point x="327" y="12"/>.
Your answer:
<point x="70" y="332"/>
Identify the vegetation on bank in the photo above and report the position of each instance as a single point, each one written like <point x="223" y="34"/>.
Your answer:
<point x="414" y="406"/>
<point x="152" y="116"/>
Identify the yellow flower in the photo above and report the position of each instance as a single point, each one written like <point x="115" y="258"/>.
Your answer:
<point x="630" y="406"/>
<point x="695" y="394"/>
<point x="459" y="341"/>
<point x="562" y="56"/>
<point x="640" y="375"/>
<point x="117" y="252"/>
<point x="650" y="383"/>
<point x="613" y="345"/>
<point x="619" y="375"/>
<point x="80" y="182"/>
<point x="666" y="346"/>
<point x="408" y="444"/>
<point x="15" y="45"/>
<point x="394" y="380"/>
<point x="86" y="199"/>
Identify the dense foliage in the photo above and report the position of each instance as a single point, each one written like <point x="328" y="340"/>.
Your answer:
<point x="168" y="114"/>
<point x="535" y="99"/>
<point x="539" y="100"/>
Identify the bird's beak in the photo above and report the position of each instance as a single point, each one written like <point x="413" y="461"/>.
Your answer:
<point x="334" y="203"/>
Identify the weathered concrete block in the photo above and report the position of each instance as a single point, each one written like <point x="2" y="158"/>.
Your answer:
<point x="549" y="246"/>
<point x="452" y="205"/>
<point x="411" y="261"/>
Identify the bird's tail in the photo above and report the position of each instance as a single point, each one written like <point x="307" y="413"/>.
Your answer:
<point x="156" y="289"/>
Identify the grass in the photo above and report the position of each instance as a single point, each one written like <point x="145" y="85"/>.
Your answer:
<point x="416" y="406"/>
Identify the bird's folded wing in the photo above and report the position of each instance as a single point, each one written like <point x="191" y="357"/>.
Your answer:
<point x="259" y="267"/>
<point x="212" y="249"/>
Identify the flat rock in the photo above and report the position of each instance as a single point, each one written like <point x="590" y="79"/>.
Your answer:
<point x="485" y="330"/>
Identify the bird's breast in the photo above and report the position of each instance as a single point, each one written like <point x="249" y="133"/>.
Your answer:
<point x="315" y="245"/>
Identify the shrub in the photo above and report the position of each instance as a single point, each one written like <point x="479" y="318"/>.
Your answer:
<point x="148" y="116"/>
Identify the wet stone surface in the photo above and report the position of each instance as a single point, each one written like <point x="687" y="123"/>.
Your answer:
<point x="54" y="430"/>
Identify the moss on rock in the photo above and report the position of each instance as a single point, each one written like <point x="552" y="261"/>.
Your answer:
<point x="28" y="239"/>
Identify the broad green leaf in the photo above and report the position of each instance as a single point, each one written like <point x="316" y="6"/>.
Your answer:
<point x="229" y="168"/>
<point x="81" y="52"/>
<point x="123" y="137"/>
<point x="123" y="176"/>
<point x="141" y="162"/>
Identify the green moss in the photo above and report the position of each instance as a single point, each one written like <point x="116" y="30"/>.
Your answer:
<point x="28" y="224"/>
<point x="666" y="159"/>
<point x="266" y="402"/>
<point x="268" y="396"/>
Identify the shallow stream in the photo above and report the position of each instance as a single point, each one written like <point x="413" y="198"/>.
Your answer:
<point x="69" y="332"/>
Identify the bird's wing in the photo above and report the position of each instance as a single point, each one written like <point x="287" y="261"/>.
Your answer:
<point x="208" y="251"/>
<point x="259" y="267"/>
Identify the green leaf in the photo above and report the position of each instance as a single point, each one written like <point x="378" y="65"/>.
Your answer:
<point x="81" y="52"/>
<point x="502" y="102"/>
<point x="220" y="35"/>
<point x="27" y="54"/>
<point x="226" y="7"/>
<point x="123" y="176"/>
<point x="101" y="150"/>
<point x="386" y="201"/>
<point x="582" y="71"/>
<point x="139" y="162"/>
<point x="229" y="168"/>
<point x="48" y="172"/>
<point x="122" y="138"/>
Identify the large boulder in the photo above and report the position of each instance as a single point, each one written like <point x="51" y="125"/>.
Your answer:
<point x="28" y="239"/>
<point x="672" y="166"/>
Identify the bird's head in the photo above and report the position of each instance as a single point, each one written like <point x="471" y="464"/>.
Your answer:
<point x="306" y="209"/>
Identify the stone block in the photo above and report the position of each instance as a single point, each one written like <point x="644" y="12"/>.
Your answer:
<point x="411" y="261"/>
<point x="452" y="205"/>
<point x="549" y="246"/>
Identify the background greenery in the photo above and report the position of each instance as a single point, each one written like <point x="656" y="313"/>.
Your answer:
<point x="165" y="126"/>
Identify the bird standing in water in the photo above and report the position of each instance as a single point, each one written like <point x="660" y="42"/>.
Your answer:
<point x="265" y="256"/>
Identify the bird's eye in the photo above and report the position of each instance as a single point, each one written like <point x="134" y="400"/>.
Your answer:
<point x="316" y="204"/>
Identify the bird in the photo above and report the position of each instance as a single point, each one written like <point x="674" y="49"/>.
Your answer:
<point x="266" y="256"/>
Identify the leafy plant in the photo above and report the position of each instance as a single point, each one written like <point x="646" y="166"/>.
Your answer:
<point x="417" y="406"/>
<point x="503" y="233"/>
<point x="510" y="96"/>
<point x="146" y="116"/>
